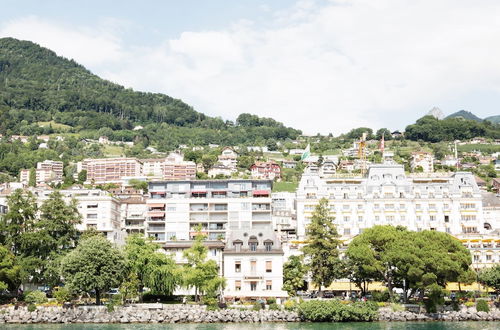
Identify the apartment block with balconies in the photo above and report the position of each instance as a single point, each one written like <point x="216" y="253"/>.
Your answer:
<point x="177" y="209"/>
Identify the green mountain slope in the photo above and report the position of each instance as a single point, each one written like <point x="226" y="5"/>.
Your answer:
<point x="465" y="115"/>
<point x="36" y="85"/>
<point x="493" y="119"/>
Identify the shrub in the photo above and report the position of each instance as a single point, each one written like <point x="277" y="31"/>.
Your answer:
<point x="482" y="306"/>
<point x="257" y="306"/>
<point x="334" y="311"/>
<point x="212" y="303"/>
<point x="62" y="295"/>
<point x="469" y="304"/>
<point x="290" y="305"/>
<point x="397" y="307"/>
<point x="382" y="296"/>
<point x="35" y="297"/>
<point x="31" y="307"/>
<point x="274" y="307"/>
<point x="271" y="301"/>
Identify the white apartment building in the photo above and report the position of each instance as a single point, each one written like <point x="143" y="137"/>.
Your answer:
<point x="176" y="208"/>
<point x="152" y="168"/>
<point x="45" y="172"/>
<point x="423" y="160"/>
<point x="228" y="158"/>
<point x="284" y="214"/>
<point x="133" y="215"/>
<point x="253" y="265"/>
<point x="451" y="203"/>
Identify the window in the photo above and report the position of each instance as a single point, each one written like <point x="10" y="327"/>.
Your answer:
<point x="269" y="266"/>
<point x="488" y="257"/>
<point x="360" y="196"/>
<point x="347" y="231"/>
<point x="346" y="196"/>
<point x="253" y="246"/>
<point x="476" y="258"/>
<point x="237" y="285"/>
<point x="432" y="206"/>
<point x="92" y="206"/>
<point x="171" y="208"/>
<point x="360" y="206"/>
<point x="268" y="245"/>
<point x="377" y="218"/>
<point x="419" y="218"/>
<point x="245" y="206"/>
<point x="468" y="217"/>
<point x="448" y="230"/>
<point x="403" y="218"/>
<point x="347" y="218"/>
<point x="253" y="266"/>
<point x="432" y="217"/>
<point x="466" y="206"/>
<point x="446" y="218"/>
<point x="269" y="285"/>
<point x="389" y="218"/>
<point x="345" y="207"/>
<point x="418" y="206"/>
<point x="237" y="245"/>
<point x="253" y="286"/>
<point x="237" y="266"/>
<point x="360" y="218"/>
<point x="402" y="206"/>
<point x="376" y="206"/>
<point x="92" y="216"/>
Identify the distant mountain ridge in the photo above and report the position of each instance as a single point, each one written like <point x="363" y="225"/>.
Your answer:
<point x="465" y="115"/>
<point x="493" y="119"/>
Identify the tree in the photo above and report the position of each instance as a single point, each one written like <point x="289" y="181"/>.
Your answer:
<point x="82" y="176"/>
<point x="294" y="273"/>
<point x="10" y="271"/>
<point x="208" y="161"/>
<point x="153" y="269"/>
<point x="32" y="177"/>
<point x="94" y="265"/>
<point x="199" y="273"/>
<point x="139" y="185"/>
<point x="385" y="133"/>
<point x="54" y="234"/>
<point x="491" y="277"/>
<point x="19" y="219"/>
<point x="412" y="261"/>
<point x="321" y="251"/>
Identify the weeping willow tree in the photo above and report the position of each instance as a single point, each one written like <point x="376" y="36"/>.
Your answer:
<point x="154" y="270"/>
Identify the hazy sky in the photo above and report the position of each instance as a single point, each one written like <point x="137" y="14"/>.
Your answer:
<point x="320" y="66"/>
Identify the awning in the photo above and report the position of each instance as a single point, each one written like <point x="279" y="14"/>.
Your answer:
<point x="157" y="205"/>
<point x="198" y="192"/>
<point x="156" y="214"/>
<point x="261" y="192"/>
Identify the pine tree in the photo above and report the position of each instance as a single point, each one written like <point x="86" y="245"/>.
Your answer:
<point x="321" y="251"/>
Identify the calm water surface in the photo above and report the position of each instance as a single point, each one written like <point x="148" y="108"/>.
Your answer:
<point x="267" y="326"/>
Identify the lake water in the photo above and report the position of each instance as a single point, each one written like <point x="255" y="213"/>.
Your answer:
<point x="265" y="326"/>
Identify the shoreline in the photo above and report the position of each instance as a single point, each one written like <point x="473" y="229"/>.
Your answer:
<point x="159" y="313"/>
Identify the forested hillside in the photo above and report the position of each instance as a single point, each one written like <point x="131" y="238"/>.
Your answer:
<point x="431" y="129"/>
<point x="38" y="86"/>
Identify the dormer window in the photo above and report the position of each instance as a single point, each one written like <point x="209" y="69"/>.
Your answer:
<point x="237" y="245"/>
<point x="252" y="243"/>
<point x="268" y="244"/>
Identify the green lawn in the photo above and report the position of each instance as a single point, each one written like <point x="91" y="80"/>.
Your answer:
<point x="285" y="186"/>
<point x="488" y="148"/>
<point x="113" y="151"/>
<point x="54" y="125"/>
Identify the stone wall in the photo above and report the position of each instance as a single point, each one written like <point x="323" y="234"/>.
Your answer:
<point x="465" y="314"/>
<point x="141" y="313"/>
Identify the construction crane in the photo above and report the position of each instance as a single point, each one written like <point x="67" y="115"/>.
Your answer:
<point x="362" y="153"/>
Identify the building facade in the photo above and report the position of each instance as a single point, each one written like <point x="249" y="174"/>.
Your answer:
<point x="253" y="265"/>
<point x="110" y="170"/>
<point x="422" y="160"/>
<point x="177" y="208"/>
<point x="265" y="170"/>
<point x="451" y="204"/>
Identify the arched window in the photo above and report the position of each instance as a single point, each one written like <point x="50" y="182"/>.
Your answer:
<point x="252" y="243"/>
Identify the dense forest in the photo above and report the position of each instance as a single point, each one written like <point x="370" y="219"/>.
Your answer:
<point x="38" y="86"/>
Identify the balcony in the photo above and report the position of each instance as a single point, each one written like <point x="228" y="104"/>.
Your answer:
<point x="261" y="207"/>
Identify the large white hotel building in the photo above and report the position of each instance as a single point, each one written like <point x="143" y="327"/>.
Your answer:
<point x="451" y="203"/>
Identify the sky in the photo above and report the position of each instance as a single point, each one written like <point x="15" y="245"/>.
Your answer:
<point x="317" y="65"/>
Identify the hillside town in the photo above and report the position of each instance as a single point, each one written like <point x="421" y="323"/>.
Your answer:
<point x="254" y="218"/>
